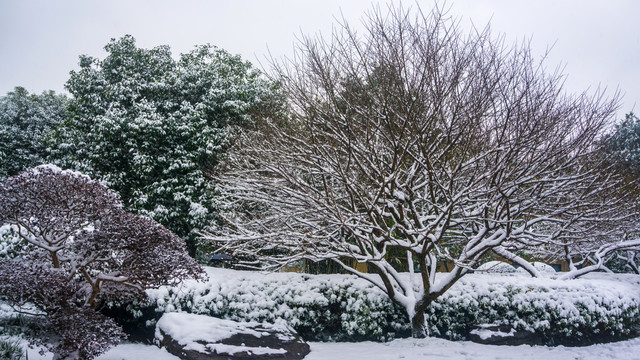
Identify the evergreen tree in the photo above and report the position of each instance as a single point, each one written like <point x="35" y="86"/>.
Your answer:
<point x="151" y="127"/>
<point x="26" y="120"/>
<point x="624" y="144"/>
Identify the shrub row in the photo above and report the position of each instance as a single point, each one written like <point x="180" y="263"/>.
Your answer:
<point x="345" y="308"/>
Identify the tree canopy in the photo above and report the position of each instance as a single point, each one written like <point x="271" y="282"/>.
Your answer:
<point x="151" y="127"/>
<point x="624" y="144"/>
<point x="414" y="138"/>
<point x="26" y="123"/>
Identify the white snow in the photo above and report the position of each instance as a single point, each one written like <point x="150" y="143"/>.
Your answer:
<point x="56" y="169"/>
<point x="255" y="296"/>
<point x="434" y="348"/>
<point x="430" y="348"/>
<point x="498" y="267"/>
<point x="200" y="333"/>
<point x="485" y="333"/>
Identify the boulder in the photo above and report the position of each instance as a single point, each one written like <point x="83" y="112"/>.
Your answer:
<point x="493" y="334"/>
<point x="200" y="337"/>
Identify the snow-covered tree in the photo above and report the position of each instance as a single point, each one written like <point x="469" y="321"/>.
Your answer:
<point x="413" y="138"/>
<point x="81" y="241"/>
<point x="61" y="322"/>
<point x="613" y="247"/>
<point x="624" y="144"/>
<point x="26" y="121"/>
<point x="49" y="207"/>
<point x="622" y="150"/>
<point x="150" y="127"/>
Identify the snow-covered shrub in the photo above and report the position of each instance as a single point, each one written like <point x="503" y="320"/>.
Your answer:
<point x="342" y="307"/>
<point x="541" y="267"/>
<point x="80" y="249"/>
<point x="572" y="312"/>
<point x="10" y="349"/>
<point x="496" y="267"/>
<point x="10" y="243"/>
<point x="317" y="306"/>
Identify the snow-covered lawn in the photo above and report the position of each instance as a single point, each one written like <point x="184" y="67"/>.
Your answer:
<point x="431" y="348"/>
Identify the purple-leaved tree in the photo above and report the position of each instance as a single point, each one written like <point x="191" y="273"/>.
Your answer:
<point x="64" y="324"/>
<point x="411" y="138"/>
<point x="84" y="249"/>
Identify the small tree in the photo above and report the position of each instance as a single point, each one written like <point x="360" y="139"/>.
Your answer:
<point x="62" y="323"/>
<point x="85" y="249"/>
<point x="50" y="207"/>
<point x="412" y="139"/>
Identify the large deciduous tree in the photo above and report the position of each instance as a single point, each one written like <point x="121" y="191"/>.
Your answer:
<point x="411" y="138"/>
<point x="150" y="126"/>
<point x="83" y="249"/>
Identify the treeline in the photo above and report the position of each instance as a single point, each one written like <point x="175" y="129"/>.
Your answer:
<point x="147" y="126"/>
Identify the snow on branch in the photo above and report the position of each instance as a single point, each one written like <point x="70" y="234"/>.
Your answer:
<point x="417" y="139"/>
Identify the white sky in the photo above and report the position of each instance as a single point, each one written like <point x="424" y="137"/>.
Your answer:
<point x="598" y="41"/>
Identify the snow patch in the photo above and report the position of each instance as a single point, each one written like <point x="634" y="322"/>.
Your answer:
<point x="201" y="333"/>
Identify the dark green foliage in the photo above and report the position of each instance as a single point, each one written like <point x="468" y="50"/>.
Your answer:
<point x="624" y="144"/>
<point x="325" y="310"/>
<point x="151" y="127"/>
<point x="11" y="350"/>
<point x="26" y="122"/>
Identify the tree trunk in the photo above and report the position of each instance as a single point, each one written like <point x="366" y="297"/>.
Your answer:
<point x="418" y="326"/>
<point x="55" y="260"/>
<point x="631" y="261"/>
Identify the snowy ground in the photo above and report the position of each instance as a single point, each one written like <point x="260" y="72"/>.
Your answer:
<point x="431" y="348"/>
<point x="625" y="289"/>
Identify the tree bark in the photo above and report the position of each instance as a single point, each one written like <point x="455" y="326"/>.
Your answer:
<point x="55" y="260"/>
<point x="418" y="326"/>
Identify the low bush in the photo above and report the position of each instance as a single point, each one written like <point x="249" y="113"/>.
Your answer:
<point x="570" y="312"/>
<point x="603" y="307"/>
<point x="11" y="349"/>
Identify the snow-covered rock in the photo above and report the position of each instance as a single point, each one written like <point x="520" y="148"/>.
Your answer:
<point x="502" y="335"/>
<point x="200" y="337"/>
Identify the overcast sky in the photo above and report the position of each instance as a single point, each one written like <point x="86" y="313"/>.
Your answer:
<point x="597" y="42"/>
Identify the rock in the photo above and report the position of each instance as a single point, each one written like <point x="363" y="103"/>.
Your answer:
<point x="200" y="337"/>
<point x="502" y="335"/>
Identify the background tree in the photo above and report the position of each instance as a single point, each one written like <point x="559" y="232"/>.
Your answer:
<point x="411" y="138"/>
<point x="624" y="144"/>
<point x="26" y="122"/>
<point x="150" y="126"/>
<point x="85" y="249"/>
